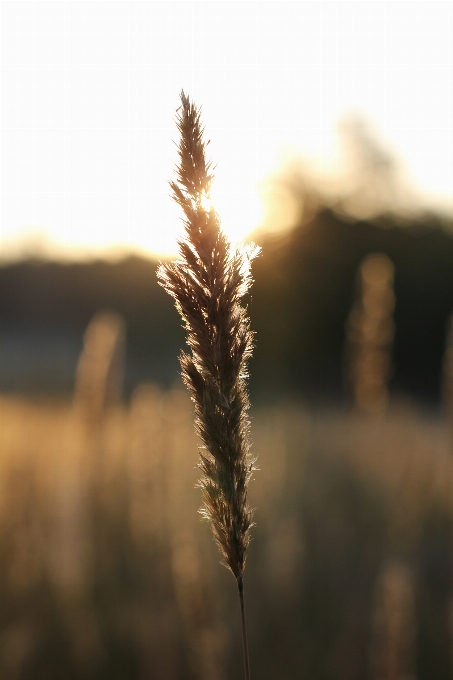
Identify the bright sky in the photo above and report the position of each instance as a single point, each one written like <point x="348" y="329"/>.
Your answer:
<point x="90" y="89"/>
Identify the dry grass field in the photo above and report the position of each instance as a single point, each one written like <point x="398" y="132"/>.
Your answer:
<point x="107" y="572"/>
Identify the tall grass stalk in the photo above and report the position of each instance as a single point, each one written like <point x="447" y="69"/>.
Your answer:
<point x="369" y="335"/>
<point x="99" y="374"/>
<point x="207" y="283"/>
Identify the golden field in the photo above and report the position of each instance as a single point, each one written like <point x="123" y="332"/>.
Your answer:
<point x="107" y="571"/>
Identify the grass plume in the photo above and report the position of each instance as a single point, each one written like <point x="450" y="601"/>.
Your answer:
<point x="207" y="283"/>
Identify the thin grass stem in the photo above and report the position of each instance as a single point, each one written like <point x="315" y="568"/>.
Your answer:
<point x="245" y="645"/>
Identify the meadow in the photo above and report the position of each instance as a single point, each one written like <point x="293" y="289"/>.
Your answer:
<point x="108" y="572"/>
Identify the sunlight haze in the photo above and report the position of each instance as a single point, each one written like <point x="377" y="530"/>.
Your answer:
<point x="90" y="91"/>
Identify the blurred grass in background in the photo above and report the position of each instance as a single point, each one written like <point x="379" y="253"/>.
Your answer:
<point x="106" y="571"/>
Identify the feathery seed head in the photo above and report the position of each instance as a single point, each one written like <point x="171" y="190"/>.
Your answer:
<point x="207" y="284"/>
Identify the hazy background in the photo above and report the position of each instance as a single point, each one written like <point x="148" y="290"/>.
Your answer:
<point x="310" y="106"/>
<point x="89" y="93"/>
<point x="331" y="129"/>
